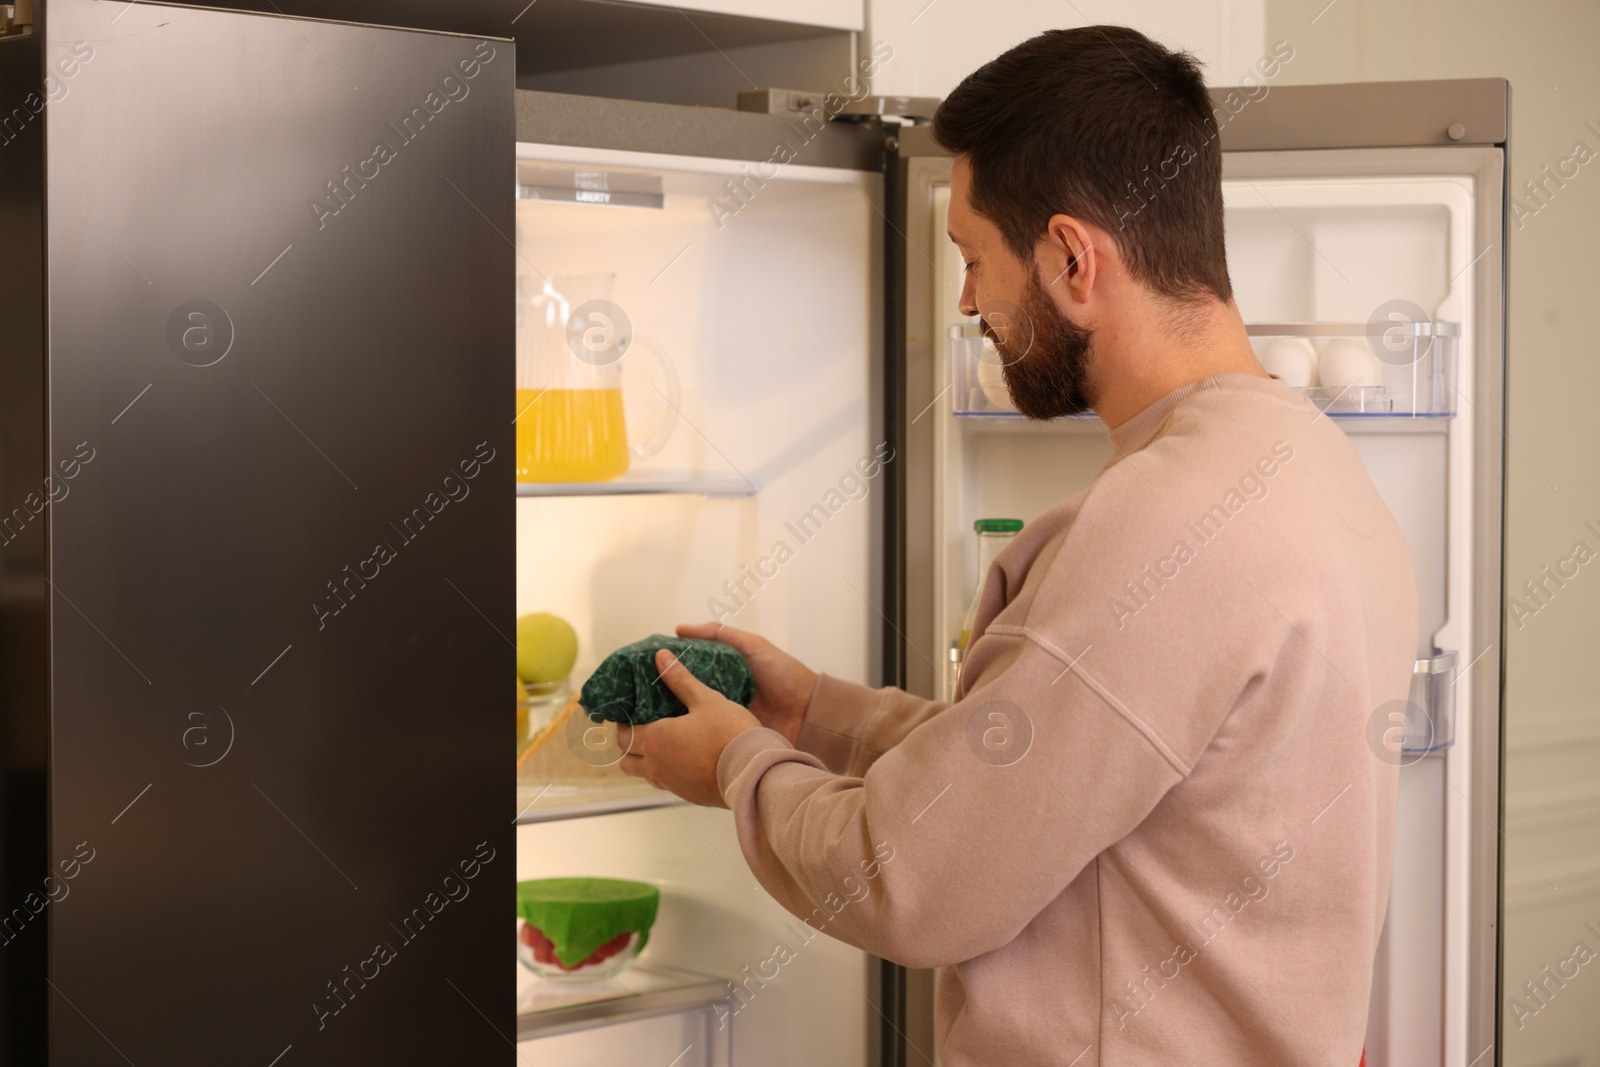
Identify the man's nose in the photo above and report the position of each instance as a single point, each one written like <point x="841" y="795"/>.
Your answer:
<point x="968" y="304"/>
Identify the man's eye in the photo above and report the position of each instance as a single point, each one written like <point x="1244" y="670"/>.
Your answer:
<point x="967" y="265"/>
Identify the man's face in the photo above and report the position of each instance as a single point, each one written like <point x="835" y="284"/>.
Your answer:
<point x="1045" y="356"/>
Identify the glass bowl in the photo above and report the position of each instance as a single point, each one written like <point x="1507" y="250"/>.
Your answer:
<point x="535" y="952"/>
<point x="541" y="706"/>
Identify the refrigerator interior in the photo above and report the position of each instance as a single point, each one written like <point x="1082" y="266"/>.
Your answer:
<point x="765" y="310"/>
<point x="1302" y="251"/>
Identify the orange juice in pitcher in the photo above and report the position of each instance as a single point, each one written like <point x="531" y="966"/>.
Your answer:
<point x="570" y="343"/>
<point x="570" y="435"/>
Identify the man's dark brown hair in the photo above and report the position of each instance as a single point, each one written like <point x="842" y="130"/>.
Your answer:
<point x="1103" y="124"/>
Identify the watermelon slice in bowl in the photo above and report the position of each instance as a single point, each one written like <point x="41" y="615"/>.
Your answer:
<point x="583" y="929"/>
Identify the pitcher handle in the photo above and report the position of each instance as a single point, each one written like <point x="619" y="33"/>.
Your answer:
<point x="672" y="395"/>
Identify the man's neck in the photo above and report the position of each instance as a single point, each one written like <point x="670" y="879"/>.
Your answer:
<point x="1142" y="359"/>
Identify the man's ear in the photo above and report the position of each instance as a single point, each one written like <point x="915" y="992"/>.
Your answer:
<point x="1067" y="257"/>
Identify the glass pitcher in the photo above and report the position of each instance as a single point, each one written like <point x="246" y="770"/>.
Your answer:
<point x="571" y="342"/>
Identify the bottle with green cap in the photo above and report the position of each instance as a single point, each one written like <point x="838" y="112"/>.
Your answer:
<point x="993" y="535"/>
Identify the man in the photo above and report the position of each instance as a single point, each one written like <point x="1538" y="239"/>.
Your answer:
<point x="1152" y="829"/>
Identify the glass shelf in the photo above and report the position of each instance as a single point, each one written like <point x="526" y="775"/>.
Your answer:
<point x="550" y="802"/>
<point x="546" y="1008"/>
<point x="651" y="482"/>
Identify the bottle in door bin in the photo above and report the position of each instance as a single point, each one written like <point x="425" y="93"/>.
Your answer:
<point x="993" y="535"/>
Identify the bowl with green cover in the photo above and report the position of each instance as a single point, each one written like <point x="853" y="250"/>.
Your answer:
<point x="582" y="929"/>
<point x="627" y="687"/>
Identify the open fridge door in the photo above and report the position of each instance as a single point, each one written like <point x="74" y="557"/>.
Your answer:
<point x="227" y="366"/>
<point x="1364" y="228"/>
<point x="746" y="282"/>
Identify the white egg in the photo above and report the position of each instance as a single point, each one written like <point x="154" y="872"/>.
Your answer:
<point x="1291" y="360"/>
<point x="1348" y="363"/>
<point x="992" y="380"/>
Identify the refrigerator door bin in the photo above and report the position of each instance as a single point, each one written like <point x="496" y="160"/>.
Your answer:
<point x="1400" y="367"/>
<point x="977" y="384"/>
<point x="1431" y="710"/>
<point x="1405" y="368"/>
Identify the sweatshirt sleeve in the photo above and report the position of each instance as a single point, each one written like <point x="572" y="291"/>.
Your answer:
<point x="848" y="726"/>
<point x="1077" y="724"/>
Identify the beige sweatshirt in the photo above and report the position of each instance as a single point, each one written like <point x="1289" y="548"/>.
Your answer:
<point x="1155" y="827"/>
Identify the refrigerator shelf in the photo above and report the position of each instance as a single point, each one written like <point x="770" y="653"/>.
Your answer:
<point x="552" y="802"/>
<point x="545" y="1009"/>
<point x="721" y="485"/>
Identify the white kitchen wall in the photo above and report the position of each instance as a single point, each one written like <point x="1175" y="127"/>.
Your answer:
<point x="938" y="42"/>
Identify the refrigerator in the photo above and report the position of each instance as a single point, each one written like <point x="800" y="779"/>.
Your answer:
<point x="282" y="349"/>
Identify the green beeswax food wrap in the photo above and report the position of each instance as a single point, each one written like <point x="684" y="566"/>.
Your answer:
<point x="579" y="915"/>
<point x="627" y="687"/>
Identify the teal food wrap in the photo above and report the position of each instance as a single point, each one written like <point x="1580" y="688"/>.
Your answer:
<point x="627" y="688"/>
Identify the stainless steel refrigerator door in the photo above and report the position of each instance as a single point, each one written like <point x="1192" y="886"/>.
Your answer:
<point x="279" y="352"/>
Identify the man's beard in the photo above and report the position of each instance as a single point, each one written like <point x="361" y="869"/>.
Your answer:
<point x="1044" y="358"/>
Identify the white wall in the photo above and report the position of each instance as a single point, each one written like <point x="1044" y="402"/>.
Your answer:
<point x="938" y="43"/>
<point x="1552" y="810"/>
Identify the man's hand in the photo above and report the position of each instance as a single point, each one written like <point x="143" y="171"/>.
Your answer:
<point x="680" y="754"/>
<point x="783" y="684"/>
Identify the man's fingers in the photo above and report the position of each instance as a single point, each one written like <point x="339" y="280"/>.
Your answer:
<point x="705" y="631"/>
<point x="689" y="689"/>
<point x="747" y="643"/>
